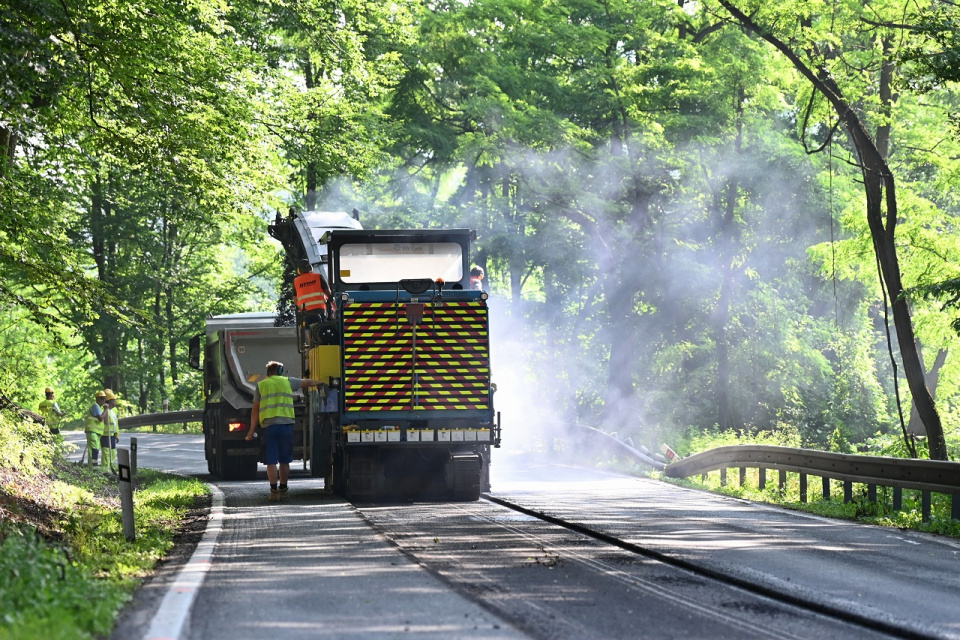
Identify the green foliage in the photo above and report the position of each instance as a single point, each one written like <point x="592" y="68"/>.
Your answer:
<point x="47" y="595"/>
<point x="663" y="224"/>
<point x="74" y="586"/>
<point x="25" y="446"/>
<point x="702" y="440"/>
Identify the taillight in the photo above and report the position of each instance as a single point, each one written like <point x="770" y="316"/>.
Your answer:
<point x="236" y="426"/>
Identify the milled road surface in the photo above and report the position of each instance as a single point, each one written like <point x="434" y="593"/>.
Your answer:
<point x="556" y="584"/>
<point x="309" y="567"/>
<point x="318" y="567"/>
<point x="908" y="580"/>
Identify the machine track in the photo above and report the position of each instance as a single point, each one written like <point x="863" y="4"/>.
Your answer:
<point x="793" y="600"/>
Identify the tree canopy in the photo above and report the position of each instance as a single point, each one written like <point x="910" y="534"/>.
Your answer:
<point x="722" y="215"/>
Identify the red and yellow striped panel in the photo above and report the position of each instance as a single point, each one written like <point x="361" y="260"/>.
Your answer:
<point x="448" y="369"/>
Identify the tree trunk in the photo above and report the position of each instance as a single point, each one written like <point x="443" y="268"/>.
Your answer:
<point x="728" y="244"/>
<point x="310" y="195"/>
<point x="880" y="189"/>
<point x="8" y="149"/>
<point x="104" y="338"/>
<point x="915" y="426"/>
<point x="144" y="395"/>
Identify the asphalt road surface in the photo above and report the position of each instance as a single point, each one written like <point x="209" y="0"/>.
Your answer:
<point x="317" y="567"/>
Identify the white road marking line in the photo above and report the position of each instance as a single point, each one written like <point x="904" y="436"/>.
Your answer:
<point x="171" y="618"/>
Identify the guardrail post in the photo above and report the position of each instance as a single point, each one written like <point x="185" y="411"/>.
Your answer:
<point x="925" y="505"/>
<point x="955" y="506"/>
<point x="847" y="491"/>
<point x="898" y="498"/>
<point x="803" y="487"/>
<point x="723" y="477"/>
<point x="126" y="494"/>
<point x="826" y="488"/>
<point x="872" y="492"/>
<point x="763" y="477"/>
<point x="743" y="476"/>
<point x="782" y="481"/>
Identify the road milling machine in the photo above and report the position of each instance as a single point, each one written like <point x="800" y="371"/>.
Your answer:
<point x="405" y="409"/>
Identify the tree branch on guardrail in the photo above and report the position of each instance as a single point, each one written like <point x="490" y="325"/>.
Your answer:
<point x="620" y="447"/>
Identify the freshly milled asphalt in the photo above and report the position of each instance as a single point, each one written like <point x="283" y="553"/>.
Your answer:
<point x="308" y="567"/>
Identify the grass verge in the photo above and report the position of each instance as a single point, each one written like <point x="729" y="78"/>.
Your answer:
<point x="66" y="569"/>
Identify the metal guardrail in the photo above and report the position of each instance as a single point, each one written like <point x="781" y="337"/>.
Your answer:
<point x="926" y="476"/>
<point x="168" y="417"/>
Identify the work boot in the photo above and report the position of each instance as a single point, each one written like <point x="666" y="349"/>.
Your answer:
<point x="274" y="495"/>
<point x="283" y="493"/>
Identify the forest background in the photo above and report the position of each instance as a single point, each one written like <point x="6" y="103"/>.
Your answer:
<point x="687" y="211"/>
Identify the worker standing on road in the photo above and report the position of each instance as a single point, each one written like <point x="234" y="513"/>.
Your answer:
<point x="310" y="296"/>
<point x="93" y="427"/>
<point x="273" y="411"/>
<point x="50" y="411"/>
<point x="111" y="431"/>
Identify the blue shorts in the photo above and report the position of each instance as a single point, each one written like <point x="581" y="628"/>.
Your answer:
<point x="278" y="442"/>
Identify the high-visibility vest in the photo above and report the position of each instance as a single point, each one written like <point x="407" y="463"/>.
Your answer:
<point x="310" y="295"/>
<point x="48" y="413"/>
<point x="92" y="424"/>
<point x="113" y="423"/>
<point x="276" y="400"/>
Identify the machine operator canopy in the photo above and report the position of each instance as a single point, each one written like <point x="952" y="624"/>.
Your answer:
<point x="395" y="261"/>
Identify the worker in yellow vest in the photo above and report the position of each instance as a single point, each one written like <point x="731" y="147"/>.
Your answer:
<point x="50" y="411"/>
<point x="111" y="430"/>
<point x="93" y="428"/>
<point x="273" y="410"/>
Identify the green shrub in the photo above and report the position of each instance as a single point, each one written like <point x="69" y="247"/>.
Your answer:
<point x="73" y="582"/>
<point x="44" y="594"/>
<point x="27" y="447"/>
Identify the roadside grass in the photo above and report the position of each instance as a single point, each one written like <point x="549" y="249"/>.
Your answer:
<point x="65" y="567"/>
